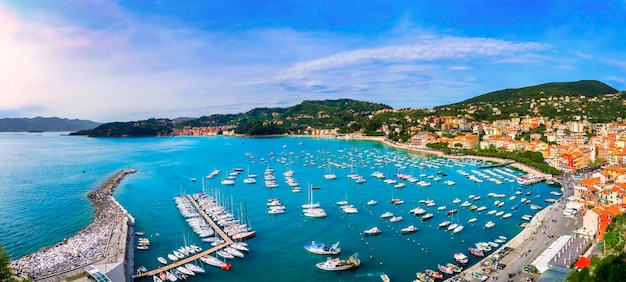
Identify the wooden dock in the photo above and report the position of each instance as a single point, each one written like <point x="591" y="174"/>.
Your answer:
<point x="218" y="230"/>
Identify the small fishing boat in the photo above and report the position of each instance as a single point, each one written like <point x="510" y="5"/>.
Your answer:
<point x="476" y="252"/>
<point x="460" y="258"/>
<point x="434" y="274"/>
<point x="454" y="267"/>
<point x="445" y="269"/>
<point x="336" y="264"/>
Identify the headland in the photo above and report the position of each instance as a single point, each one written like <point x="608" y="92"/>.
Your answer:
<point x="103" y="242"/>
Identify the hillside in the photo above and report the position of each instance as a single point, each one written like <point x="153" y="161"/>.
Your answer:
<point x="44" y="124"/>
<point x="324" y="114"/>
<point x="561" y="100"/>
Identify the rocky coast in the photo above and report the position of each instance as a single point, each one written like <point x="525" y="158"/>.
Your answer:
<point x="98" y="242"/>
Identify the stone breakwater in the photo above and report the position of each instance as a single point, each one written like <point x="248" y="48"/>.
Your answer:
<point x="87" y="246"/>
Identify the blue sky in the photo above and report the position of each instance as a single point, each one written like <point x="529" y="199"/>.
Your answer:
<point x="131" y="60"/>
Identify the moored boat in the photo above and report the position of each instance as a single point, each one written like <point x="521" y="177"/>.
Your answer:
<point x="476" y="252"/>
<point x="336" y="264"/>
<point x="445" y="269"/>
<point x="434" y="274"/>
<point x="460" y="258"/>
<point x="409" y="229"/>
<point x="322" y="249"/>
<point x="454" y="267"/>
<point x="372" y="231"/>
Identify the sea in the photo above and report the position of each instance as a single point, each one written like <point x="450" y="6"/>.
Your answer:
<point x="45" y="178"/>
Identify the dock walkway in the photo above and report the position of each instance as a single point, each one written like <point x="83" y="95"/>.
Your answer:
<point x="227" y="242"/>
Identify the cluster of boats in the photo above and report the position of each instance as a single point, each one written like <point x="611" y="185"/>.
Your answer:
<point x="275" y="206"/>
<point x="332" y="264"/>
<point x="193" y="217"/>
<point x="179" y="273"/>
<point x="235" y="228"/>
<point x="143" y="243"/>
<point x="430" y="275"/>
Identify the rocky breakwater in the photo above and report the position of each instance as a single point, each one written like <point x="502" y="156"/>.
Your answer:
<point x="92" y="244"/>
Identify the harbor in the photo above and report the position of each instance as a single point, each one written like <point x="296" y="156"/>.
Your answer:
<point x="366" y="185"/>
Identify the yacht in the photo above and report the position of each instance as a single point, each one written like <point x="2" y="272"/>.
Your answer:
<point x="322" y="249"/>
<point x="489" y="224"/>
<point x="409" y="229"/>
<point x="372" y="231"/>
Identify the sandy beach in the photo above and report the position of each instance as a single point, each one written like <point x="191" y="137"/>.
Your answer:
<point x="92" y="244"/>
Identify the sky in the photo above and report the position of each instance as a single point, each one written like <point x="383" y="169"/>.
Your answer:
<point x="132" y="60"/>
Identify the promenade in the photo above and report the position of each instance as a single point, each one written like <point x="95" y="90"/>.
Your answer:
<point x="104" y="241"/>
<point x="546" y="227"/>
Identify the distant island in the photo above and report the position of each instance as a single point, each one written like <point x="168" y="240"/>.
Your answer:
<point x="41" y="124"/>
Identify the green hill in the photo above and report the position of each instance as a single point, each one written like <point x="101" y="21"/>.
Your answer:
<point x="589" y="88"/>
<point x="324" y="114"/>
<point x="565" y="101"/>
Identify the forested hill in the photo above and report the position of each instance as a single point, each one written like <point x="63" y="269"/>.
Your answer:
<point x="324" y="114"/>
<point x="561" y="100"/>
<point x="589" y="88"/>
<point x="44" y="124"/>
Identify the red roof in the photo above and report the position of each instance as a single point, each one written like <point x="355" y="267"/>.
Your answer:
<point x="582" y="262"/>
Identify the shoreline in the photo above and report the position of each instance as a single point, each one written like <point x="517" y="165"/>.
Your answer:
<point x="104" y="240"/>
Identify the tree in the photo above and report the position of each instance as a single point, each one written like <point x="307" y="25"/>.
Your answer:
<point x="5" y="271"/>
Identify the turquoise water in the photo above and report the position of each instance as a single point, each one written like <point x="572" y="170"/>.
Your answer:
<point x="44" y="179"/>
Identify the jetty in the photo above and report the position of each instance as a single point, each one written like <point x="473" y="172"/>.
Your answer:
<point x="104" y="242"/>
<point x="227" y="242"/>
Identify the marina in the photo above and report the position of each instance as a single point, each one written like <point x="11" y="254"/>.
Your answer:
<point x="282" y="236"/>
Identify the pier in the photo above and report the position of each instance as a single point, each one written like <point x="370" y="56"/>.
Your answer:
<point x="218" y="230"/>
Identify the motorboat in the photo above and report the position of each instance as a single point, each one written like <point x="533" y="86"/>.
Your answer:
<point x="476" y="252"/>
<point x="507" y="215"/>
<point x="445" y="269"/>
<point x="336" y="264"/>
<point x="372" y="231"/>
<point x="490" y="224"/>
<point x="322" y="249"/>
<point x="372" y="202"/>
<point x="452" y="211"/>
<point x="472" y="220"/>
<point x="409" y="229"/>
<point x="444" y="223"/>
<point x="458" y="229"/>
<point x="418" y="211"/>
<point x="427" y="216"/>
<point x="460" y="258"/>
<point x="434" y="274"/>
<point x="386" y="215"/>
<point x="454" y="267"/>
<point x="527" y="217"/>
<point x="395" y="219"/>
<point x="452" y="226"/>
<point x="423" y="277"/>
<point x="162" y="260"/>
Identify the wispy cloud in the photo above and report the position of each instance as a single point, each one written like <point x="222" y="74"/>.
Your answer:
<point x="426" y="49"/>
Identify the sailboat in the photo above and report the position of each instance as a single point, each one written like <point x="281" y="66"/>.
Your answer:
<point x="328" y="175"/>
<point x="313" y="209"/>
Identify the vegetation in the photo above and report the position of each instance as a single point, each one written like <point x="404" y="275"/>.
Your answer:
<point x="349" y="115"/>
<point x="610" y="269"/>
<point x="151" y="127"/>
<point x="534" y="159"/>
<point x="561" y="100"/>
<point x="6" y="273"/>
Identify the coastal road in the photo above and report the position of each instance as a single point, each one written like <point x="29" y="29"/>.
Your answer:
<point x="547" y="226"/>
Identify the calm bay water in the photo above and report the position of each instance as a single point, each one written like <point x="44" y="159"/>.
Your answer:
<point x="44" y="179"/>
